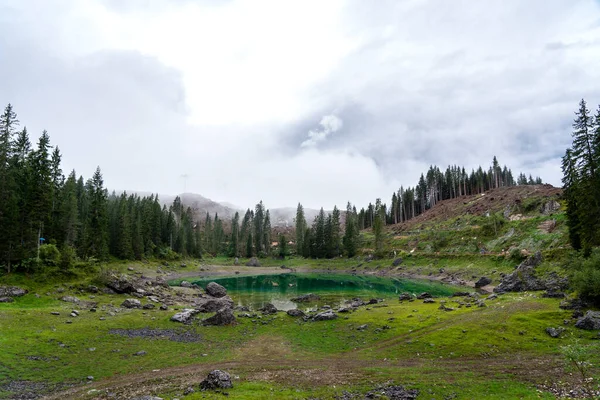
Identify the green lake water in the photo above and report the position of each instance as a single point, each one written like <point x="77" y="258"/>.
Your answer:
<point x="334" y="289"/>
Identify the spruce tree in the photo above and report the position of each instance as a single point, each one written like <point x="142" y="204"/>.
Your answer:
<point x="300" y="229"/>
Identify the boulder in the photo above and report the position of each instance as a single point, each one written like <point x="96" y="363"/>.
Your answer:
<point x="122" y="284"/>
<point x="212" y="304"/>
<point x="405" y="296"/>
<point x="590" y="321"/>
<point x="223" y="317"/>
<point x="355" y="302"/>
<point x="253" y="262"/>
<point x="295" y="313"/>
<point x="397" y="262"/>
<point x="523" y="278"/>
<point x="424" y="295"/>
<point x="483" y="281"/>
<point x="131" y="303"/>
<point x="306" y="298"/>
<point x="269" y="309"/>
<point x="325" y="316"/>
<point x="215" y="290"/>
<point x="184" y="316"/>
<point x="12" y="291"/>
<point x="554" y="332"/>
<point x="460" y="294"/>
<point x="428" y="300"/>
<point x="148" y="306"/>
<point x="186" y="284"/>
<point x="216" y="379"/>
<point x="6" y="299"/>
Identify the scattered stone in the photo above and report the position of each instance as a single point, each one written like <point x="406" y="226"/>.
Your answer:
<point x="6" y="299"/>
<point x="492" y="296"/>
<point x="223" y="317"/>
<point x="92" y="289"/>
<point x="153" y="299"/>
<point x="253" y="262"/>
<point x="55" y="313"/>
<point x="345" y="309"/>
<point x="296" y="313"/>
<point x="573" y="304"/>
<point x="362" y="327"/>
<point x="481" y="303"/>
<point x="356" y="302"/>
<point x="460" y="294"/>
<point x="182" y="265"/>
<point x="216" y="379"/>
<point x="306" y="298"/>
<point x="325" y="316"/>
<point x="554" y="332"/>
<point x="443" y="307"/>
<point x="524" y="278"/>
<point x="590" y="321"/>
<point x="130" y="269"/>
<point x="174" y="335"/>
<point x="428" y="300"/>
<point x="140" y="353"/>
<point x="424" y="295"/>
<point x="164" y="307"/>
<point x="12" y="291"/>
<point x="121" y="284"/>
<point x="483" y="281"/>
<point x="186" y="284"/>
<point x="215" y="290"/>
<point x="373" y="301"/>
<point x="268" y="309"/>
<point x="184" y="316"/>
<point x="148" y="306"/>
<point x="131" y="303"/>
<point x="553" y="294"/>
<point x="73" y="314"/>
<point x="188" y="391"/>
<point x="90" y="378"/>
<point x="147" y="398"/>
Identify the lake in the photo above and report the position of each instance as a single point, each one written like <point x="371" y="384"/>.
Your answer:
<point x="334" y="289"/>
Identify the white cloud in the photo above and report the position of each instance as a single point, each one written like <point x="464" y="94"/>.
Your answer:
<point x="329" y="124"/>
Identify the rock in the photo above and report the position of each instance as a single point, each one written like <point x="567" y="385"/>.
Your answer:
<point x="393" y="393"/>
<point x="590" y="321"/>
<point x="154" y="299"/>
<point x="147" y="398"/>
<point x="6" y="299"/>
<point x="236" y="261"/>
<point x="492" y="296"/>
<point x="428" y="300"/>
<point x="397" y="262"/>
<point x="188" y="391"/>
<point x="121" y="284"/>
<point x="268" y="309"/>
<point x="223" y="317"/>
<point x="369" y="258"/>
<point x="70" y="299"/>
<point x="424" y="295"/>
<point x="523" y="278"/>
<point x="554" y="332"/>
<point x="182" y="265"/>
<point x="405" y="296"/>
<point x="444" y="308"/>
<point x="140" y="353"/>
<point x="90" y="378"/>
<point x="295" y="313"/>
<point x="148" y="306"/>
<point x="216" y="379"/>
<point x="356" y="302"/>
<point x="460" y="294"/>
<point x="550" y="207"/>
<point x="130" y="269"/>
<point x="572" y="304"/>
<point x="253" y="262"/>
<point x="164" y="307"/>
<point x="483" y="281"/>
<point x="362" y="327"/>
<point x="186" y="284"/>
<point x="306" y="298"/>
<point x="325" y="316"/>
<point x="552" y="294"/>
<point x="213" y="304"/>
<point x="215" y="290"/>
<point x="131" y="303"/>
<point x="12" y="291"/>
<point x="55" y="313"/>
<point x="373" y="301"/>
<point x="345" y="309"/>
<point x="184" y="316"/>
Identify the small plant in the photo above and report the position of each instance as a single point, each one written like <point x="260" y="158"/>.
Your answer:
<point x="577" y="358"/>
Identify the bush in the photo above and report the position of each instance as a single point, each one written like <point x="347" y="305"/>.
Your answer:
<point x="493" y="225"/>
<point x="165" y="253"/>
<point x="586" y="277"/>
<point x="49" y="255"/>
<point x="67" y="258"/>
<point x="516" y="255"/>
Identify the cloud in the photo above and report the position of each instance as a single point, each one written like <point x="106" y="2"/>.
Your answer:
<point x="329" y="124"/>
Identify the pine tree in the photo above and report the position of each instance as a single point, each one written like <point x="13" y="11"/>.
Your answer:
<point x="351" y="231"/>
<point x="97" y="232"/>
<point x="9" y="213"/>
<point x="282" y="246"/>
<point x="267" y="233"/>
<point x="259" y="221"/>
<point x="300" y="229"/>
<point x="235" y="236"/>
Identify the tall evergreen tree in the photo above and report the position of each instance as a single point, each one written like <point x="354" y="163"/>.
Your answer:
<point x="300" y="228"/>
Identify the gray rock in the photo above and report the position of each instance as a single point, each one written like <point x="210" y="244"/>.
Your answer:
<point x="362" y="327"/>
<point x="253" y="262"/>
<point x="223" y="317"/>
<point x="131" y="303"/>
<point x="424" y="295"/>
<point x="186" y="284"/>
<point x="148" y="306"/>
<point x="6" y="299"/>
<point x="184" y="316"/>
<point x="428" y="300"/>
<point x="213" y="304"/>
<point x="550" y="207"/>
<point x="70" y="299"/>
<point x="483" y="281"/>
<point x="524" y="277"/>
<point x="140" y="353"/>
<point x="554" y="332"/>
<point x="405" y="296"/>
<point x="590" y="321"/>
<point x="269" y="309"/>
<point x="306" y="298"/>
<point x="215" y="290"/>
<point x="154" y="299"/>
<point x="295" y="313"/>
<point x="121" y="284"/>
<point x="397" y="262"/>
<point x="216" y="379"/>
<point x="55" y="313"/>
<point x="325" y="316"/>
<point x="356" y="302"/>
<point x="492" y="296"/>
<point x="147" y="398"/>
<point x="12" y="291"/>
<point x="164" y="307"/>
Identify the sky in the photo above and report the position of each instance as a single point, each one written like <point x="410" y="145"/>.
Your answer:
<point x="318" y="102"/>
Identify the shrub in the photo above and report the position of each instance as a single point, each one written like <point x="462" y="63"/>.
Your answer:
<point x="49" y="255"/>
<point x="586" y="276"/>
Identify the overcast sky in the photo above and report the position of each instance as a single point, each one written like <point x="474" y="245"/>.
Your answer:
<point x="313" y="101"/>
